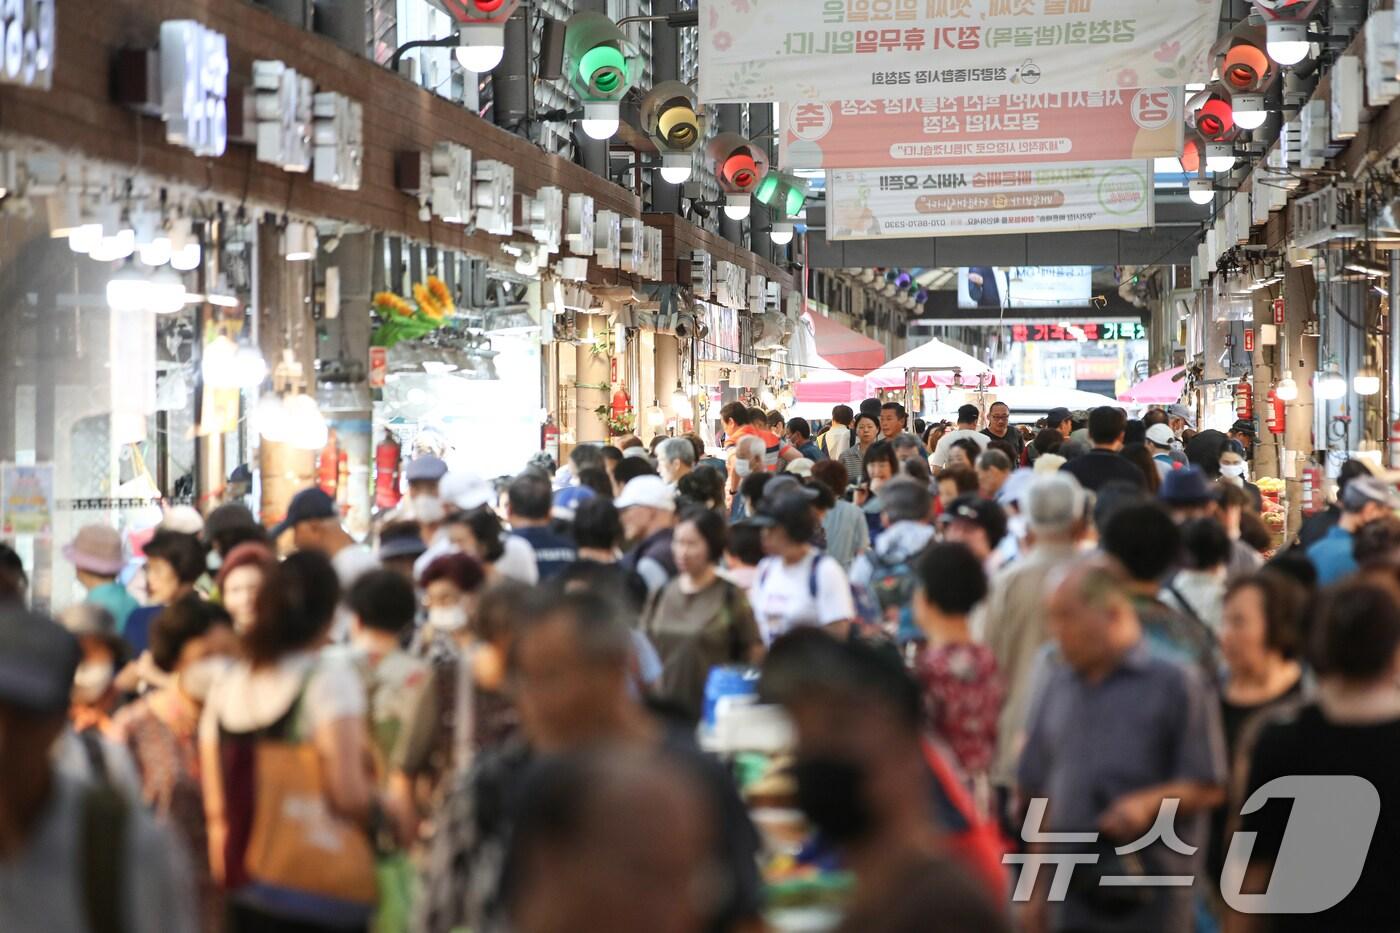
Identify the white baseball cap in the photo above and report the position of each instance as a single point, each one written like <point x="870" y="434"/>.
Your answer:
<point x="650" y="491"/>
<point x="1161" y="435"/>
<point x="467" y="491"/>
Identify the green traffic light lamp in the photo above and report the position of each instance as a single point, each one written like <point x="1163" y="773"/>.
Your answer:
<point x="599" y="69"/>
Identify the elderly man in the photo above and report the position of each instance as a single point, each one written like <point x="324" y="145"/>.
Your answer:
<point x="675" y="457"/>
<point x="747" y="460"/>
<point x="647" y="508"/>
<point x="799" y="435"/>
<point x="1364" y="501"/>
<point x="1154" y="754"/>
<point x="894" y="421"/>
<point x="993" y="470"/>
<point x="999" y="427"/>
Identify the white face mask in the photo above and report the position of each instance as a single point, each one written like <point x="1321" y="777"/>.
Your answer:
<point x="198" y="679"/>
<point x="447" y="618"/>
<point x="428" y="509"/>
<point x="91" y="680"/>
<point x="1234" y="470"/>
<point x="214" y="561"/>
<point x="742" y="467"/>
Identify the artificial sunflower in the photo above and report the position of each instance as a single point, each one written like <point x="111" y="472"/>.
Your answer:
<point x="393" y="304"/>
<point x="439" y="291"/>
<point x="427" y="303"/>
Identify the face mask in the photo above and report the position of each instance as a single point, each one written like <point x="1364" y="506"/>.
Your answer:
<point x="198" y="679"/>
<point x="447" y="618"/>
<point x="829" y="793"/>
<point x="428" y="509"/>
<point x="214" y="561"/>
<point x="91" y="680"/>
<point x="742" y="467"/>
<point x="1234" y="470"/>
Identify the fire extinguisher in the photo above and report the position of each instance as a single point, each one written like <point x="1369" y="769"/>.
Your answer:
<point x="1275" y="418"/>
<point x="1244" y="401"/>
<point x="1312" y="488"/>
<point x="387" y="456"/>
<point x="550" y="438"/>
<point x="621" y="402"/>
<point x="328" y="467"/>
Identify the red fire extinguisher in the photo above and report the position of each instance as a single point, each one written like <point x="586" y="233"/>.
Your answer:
<point x="550" y="438"/>
<point x="1312" y="489"/>
<point x="386" y="472"/>
<point x="621" y="402"/>
<point x="328" y="467"/>
<point x="1275" y="418"/>
<point x="1244" y="400"/>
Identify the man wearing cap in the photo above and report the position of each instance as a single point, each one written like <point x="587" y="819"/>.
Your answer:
<point x="96" y="555"/>
<point x="1243" y="432"/>
<point x="968" y="416"/>
<point x="1060" y="419"/>
<point x="314" y="520"/>
<point x="1160" y="441"/>
<point x="529" y="502"/>
<point x="1179" y="419"/>
<point x="423" y="503"/>
<point x="54" y="822"/>
<point x="1366" y="499"/>
<point x="648" y="512"/>
<point x="1011" y="621"/>
<point x="978" y="523"/>
<point x="904" y="510"/>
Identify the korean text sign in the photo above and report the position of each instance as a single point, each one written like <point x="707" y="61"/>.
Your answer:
<point x="981" y="129"/>
<point x="796" y="50"/>
<point x="1014" y="198"/>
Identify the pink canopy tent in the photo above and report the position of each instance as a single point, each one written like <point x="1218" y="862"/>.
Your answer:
<point x="844" y="348"/>
<point x="1161" y="389"/>
<point x="825" y="382"/>
<point x="933" y="355"/>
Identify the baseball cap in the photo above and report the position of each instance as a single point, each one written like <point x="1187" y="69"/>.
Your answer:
<point x="984" y="513"/>
<point x="1053" y="502"/>
<point x="1187" y="486"/>
<point x="1016" y="485"/>
<point x="37" y="660"/>
<point x="650" y="491"/>
<point x="1184" y="413"/>
<point x="800" y="467"/>
<point x="1057" y="417"/>
<point x="182" y="518"/>
<point x="568" y="499"/>
<point x="96" y="549"/>
<point x="404" y="542"/>
<point x="307" y="505"/>
<point x="466" y="491"/>
<point x="1243" y="426"/>
<point x="1366" y="489"/>
<point x="227" y="517"/>
<point x="787" y="506"/>
<point x="1161" y="435"/>
<point x="425" y="469"/>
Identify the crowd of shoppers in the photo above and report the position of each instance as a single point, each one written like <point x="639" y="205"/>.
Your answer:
<point x="486" y="717"/>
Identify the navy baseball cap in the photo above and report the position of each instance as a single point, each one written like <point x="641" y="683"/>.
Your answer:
<point x="307" y="505"/>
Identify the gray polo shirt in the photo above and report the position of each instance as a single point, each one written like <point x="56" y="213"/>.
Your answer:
<point x="1149" y="722"/>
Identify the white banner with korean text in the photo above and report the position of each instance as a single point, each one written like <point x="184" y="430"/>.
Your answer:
<point x="826" y="50"/>
<point x="987" y="200"/>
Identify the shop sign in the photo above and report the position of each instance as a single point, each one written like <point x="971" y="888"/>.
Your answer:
<point x="282" y="105"/>
<point x="1006" y="198"/>
<point x="1278" y="310"/>
<point x="27" y="43"/>
<point x="452" y="182"/>
<point x="980" y="129"/>
<point x="722" y="344"/>
<point x="338" y="132"/>
<point x="378" y="366"/>
<point x="793" y="50"/>
<point x="1086" y="331"/>
<point x="1097" y="370"/>
<point x="26" y="499"/>
<point x="1249" y="340"/>
<point x="194" y="86"/>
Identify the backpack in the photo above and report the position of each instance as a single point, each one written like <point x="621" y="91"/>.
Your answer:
<point x="867" y="609"/>
<point x="891" y="589"/>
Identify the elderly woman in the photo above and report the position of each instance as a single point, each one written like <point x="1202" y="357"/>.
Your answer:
<point x="240" y="577"/>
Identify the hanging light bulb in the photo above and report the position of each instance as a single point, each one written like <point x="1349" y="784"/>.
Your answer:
<point x="1330" y="384"/>
<point x="128" y="289"/>
<point x="1201" y="191"/>
<point x="677" y="172"/>
<point x="1366" y="382"/>
<point x="1288" y="42"/>
<point x="166" y="292"/>
<point x="1287" y="388"/>
<point x="157" y="252"/>
<point x="679" y="400"/>
<point x="84" y="238"/>
<point x="270" y="418"/>
<point x="481" y="46"/>
<point x="217" y="363"/>
<point x="306" y="426"/>
<point x="249" y="368"/>
<point x="781" y="234"/>
<point x="117" y="246"/>
<point x="186" y="258"/>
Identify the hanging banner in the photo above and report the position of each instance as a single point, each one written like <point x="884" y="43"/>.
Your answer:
<point x="1074" y="126"/>
<point x="974" y="201"/>
<point x="26" y="499"/>
<point x="796" y="50"/>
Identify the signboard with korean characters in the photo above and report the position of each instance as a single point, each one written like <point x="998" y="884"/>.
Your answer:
<point x="194" y="86"/>
<point x="981" y="129"/>
<point x="27" y="43"/>
<point x="987" y="200"/>
<point x="798" y="50"/>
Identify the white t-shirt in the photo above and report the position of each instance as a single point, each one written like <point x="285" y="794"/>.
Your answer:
<point x="945" y="444"/>
<point x="782" y="596"/>
<point x="244" y="699"/>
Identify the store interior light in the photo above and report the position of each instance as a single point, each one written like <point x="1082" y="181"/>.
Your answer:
<point x="1220" y="163"/>
<point x="736" y="211"/>
<point x="480" y="46"/>
<point x="85" y="237"/>
<point x="1249" y="111"/>
<point x="676" y="174"/>
<point x="217" y="363"/>
<point x="1330" y="384"/>
<point x="166" y="292"/>
<point x="601" y="119"/>
<point x="119" y="245"/>
<point x="186" y="258"/>
<point x="1287" y="388"/>
<point x="299" y="241"/>
<point x="679" y="400"/>
<point x="249" y="367"/>
<point x="128" y="289"/>
<point x="305" y="426"/>
<point x="781" y="234"/>
<point x="1288" y="42"/>
<point x="1366" y="382"/>
<point x="1201" y="191"/>
<point x="157" y="252"/>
